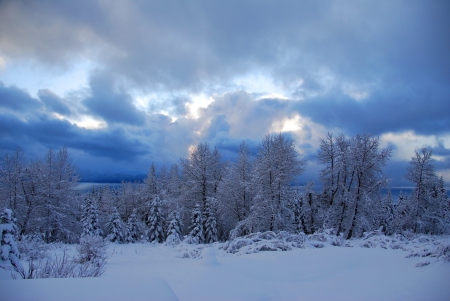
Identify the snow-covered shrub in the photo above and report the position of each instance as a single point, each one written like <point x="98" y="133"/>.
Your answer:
<point x="189" y="250"/>
<point x="32" y="247"/>
<point x="422" y="264"/>
<point x="443" y="251"/>
<point x="92" y="249"/>
<point x="64" y="267"/>
<point x="265" y="241"/>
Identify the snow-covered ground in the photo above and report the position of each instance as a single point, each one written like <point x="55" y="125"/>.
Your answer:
<point x="314" y="268"/>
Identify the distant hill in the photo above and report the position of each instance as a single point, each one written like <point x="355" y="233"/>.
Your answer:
<point x="90" y="176"/>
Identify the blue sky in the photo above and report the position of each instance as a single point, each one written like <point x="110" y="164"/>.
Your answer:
<point x="126" y="83"/>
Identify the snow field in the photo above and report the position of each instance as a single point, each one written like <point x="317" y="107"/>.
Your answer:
<point x="315" y="268"/>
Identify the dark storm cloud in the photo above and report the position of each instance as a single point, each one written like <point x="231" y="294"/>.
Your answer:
<point x="115" y="144"/>
<point x="422" y="110"/>
<point x="53" y="102"/>
<point x="197" y="43"/>
<point x="352" y="66"/>
<point x="111" y="103"/>
<point x="17" y="99"/>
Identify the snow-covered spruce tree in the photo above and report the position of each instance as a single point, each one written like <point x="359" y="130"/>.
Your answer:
<point x="9" y="253"/>
<point x="174" y="229"/>
<point x="116" y="229"/>
<point x="276" y="165"/>
<point x="210" y="223"/>
<point x="196" y="231"/>
<point x="156" y="221"/>
<point x="134" y="232"/>
<point x="89" y="218"/>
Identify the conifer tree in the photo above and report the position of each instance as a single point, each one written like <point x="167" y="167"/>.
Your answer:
<point x="133" y="228"/>
<point x="210" y="225"/>
<point x="155" y="221"/>
<point x="174" y="229"/>
<point x="115" y="226"/>
<point x="196" y="229"/>
<point x="89" y="219"/>
<point x="9" y="253"/>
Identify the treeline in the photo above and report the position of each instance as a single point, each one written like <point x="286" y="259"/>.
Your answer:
<point x="203" y="199"/>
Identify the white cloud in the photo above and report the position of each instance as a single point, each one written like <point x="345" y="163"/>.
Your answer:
<point x="199" y="101"/>
<point x="2" y="64"/>
<point x="406" y="143"/>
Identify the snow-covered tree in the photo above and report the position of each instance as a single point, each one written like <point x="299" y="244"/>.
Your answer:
<point x="174" y="229"/>
<point x="296" y="207"/>
<point x="134" y="232"/>
<point x="210" y="222"/>
<point x="156" y="221"/>
<point x="443" y="215"/>
<point x="58" y="204"/>
<point x="89" y="219"/>
<point x="353" y="180"/>
<point x="201" y="174"/>
<point x="116" y="229"/>
<point x="277" y="163"/>
<point x="196" y="231"/>
<point x="403" y="213"/>
<point x="428" y="201"/>
<point x="235" y="194"/>
<point x="385" y="214"/>
<point x="9" y="253"/>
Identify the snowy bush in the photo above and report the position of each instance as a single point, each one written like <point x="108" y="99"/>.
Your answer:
<point x="64" y="267"/>
<point x="265" y="241"/>
<point x="189" y="250"/>
<point x="32" y="247"/>
<point x="92" y="248"/>
<point x="443" y="251"/>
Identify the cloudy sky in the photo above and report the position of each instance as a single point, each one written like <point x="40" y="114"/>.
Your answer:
<point x="125" y="83"/>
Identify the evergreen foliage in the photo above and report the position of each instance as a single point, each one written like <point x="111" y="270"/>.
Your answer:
<point x="9" y="253"/>
<point x="196" y="231"/>
<point x="174" y="229"/>
<point x="89" y="219"/>
<point x="116" y="228"/>
<point x="134" y="232"/>
<point x="155" y="222"/>
<point x="210" y="224"/>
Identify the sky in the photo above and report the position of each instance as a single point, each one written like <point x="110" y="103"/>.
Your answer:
<point x="123" y="84"/>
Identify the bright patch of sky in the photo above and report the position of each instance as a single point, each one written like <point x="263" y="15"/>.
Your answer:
<point x="260" y="84"/>
<point x="34" y="76"/>
<point x="199" y="101"/>
<point x="407" y="142"/>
